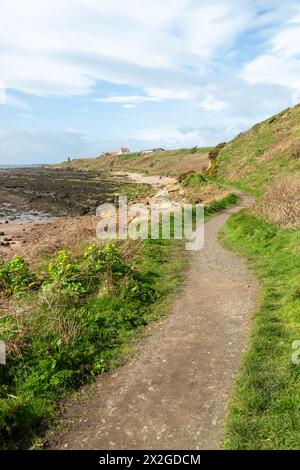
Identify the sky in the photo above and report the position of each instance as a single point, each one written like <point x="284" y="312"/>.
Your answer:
<point x="78" y="77"/>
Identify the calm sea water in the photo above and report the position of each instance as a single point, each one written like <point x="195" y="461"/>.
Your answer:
<point x="3" y="167"/>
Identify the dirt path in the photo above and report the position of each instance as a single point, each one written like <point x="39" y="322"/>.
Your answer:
<point x="173" y="393"/>
<point x="153" y="180"/>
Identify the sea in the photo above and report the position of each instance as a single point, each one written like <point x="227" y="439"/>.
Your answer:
<point x="35" y="165"/>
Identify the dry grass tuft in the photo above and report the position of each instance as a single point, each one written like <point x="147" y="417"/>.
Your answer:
<point x="281" y="202"/>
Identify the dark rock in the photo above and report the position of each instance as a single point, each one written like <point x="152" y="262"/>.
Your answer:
<point x="84" y="210"/>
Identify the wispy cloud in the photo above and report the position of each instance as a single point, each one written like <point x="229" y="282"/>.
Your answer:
<point x="280" y="63"/>
<point x="152" y="95"/>
<point x="136" y="99"/>
<point x="210" y="103"/>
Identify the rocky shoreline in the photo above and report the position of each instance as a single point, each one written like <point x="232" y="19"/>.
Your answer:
<point x="33" y="196"/>
<point x="44" y="209"/>
<point x="41" y="193"/>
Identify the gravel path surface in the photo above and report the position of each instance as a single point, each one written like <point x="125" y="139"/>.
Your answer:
<point x="173" y="393"/>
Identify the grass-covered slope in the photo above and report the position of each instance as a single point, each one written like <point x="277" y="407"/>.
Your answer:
<point x="269" y="150"/>
<point x="168" y="162"/>
<point x="265" y="407"/>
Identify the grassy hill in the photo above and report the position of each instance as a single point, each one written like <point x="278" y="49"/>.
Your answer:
<point x="269" y="150"/>
<point x="169" y="162"/>
<point x="264" y="410"/>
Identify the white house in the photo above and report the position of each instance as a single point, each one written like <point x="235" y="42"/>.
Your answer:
<point x="123" y="151"/>
<point x="148" y="151"/>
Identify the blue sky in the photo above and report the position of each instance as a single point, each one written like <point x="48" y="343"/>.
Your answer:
<point x="78" y="77"/>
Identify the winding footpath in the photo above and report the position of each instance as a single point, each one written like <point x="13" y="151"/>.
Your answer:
<point x="173" y="393"/>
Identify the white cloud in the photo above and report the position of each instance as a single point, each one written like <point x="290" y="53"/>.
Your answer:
<point x="210" y="103"/>
<point x="64" y="48"/>
<point x="131" y="99"/>
<point x="186" y="53"/>
<point x="273" y="69"/>
<point x="286" y="43"/>
<point x="169" y="93"/>
<point x="208" y="26"/>
<point x="280" y="64"/>
<point x="153" y="95"/>
<point x="169" y="137"/>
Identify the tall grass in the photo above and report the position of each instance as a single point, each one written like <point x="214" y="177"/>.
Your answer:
<point x="281" y="202"/>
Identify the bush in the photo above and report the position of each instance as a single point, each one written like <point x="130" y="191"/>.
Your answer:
<point x="213" y="169"/>
<point x="194" y="179"/>
<point x="15" y="277"/>
<point x="184" y="175"/>
<point x="281" y="202"/>
<point x="213" y="154"/>
<point x="64" y="277"/>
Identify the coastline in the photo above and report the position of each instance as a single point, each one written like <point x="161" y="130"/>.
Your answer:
<point x="25" y="232"/>
<point x="37" y="203"/>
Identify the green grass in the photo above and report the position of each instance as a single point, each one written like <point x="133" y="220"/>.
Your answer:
<point x="195" y="179"/>
<point x="168" y="162"/>
<point x="265" y="407"/>
<point x="133" y="191"/>
<point x="76" y="324"/>
<point x="269" y="150"/>
<point x="220" y="205"/>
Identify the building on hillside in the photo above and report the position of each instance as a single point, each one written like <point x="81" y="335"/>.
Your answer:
<point x="123" y="151"/>
<point x="148" y="151"/>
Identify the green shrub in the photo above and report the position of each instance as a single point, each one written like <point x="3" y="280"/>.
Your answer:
<point x="65" y="277"/>
<point x="194" y="179"/>
<point x="72" y="328"/>
<point x="15" y="277"/>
